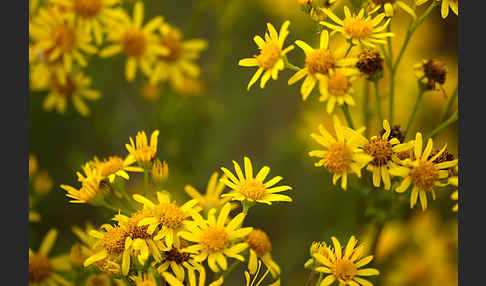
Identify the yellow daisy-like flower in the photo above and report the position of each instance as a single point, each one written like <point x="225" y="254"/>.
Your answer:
<point x="76" y="88"/>
<point x="216" y="238"/>
<point x="142" y="151"/>
<point x="446" y="5"/>
<point x="270" y="60"/>
<point x="256" y="280"/>
<point x="260" y="249"/>
<point x="384" y="151"/>
<point x="390" y="6"/>
<point x="115" y="166"/>
<point x="343" y="153"/>
<point x="166" y="214"/>
<point x="245" y="187"/>
<point x="318" y="62"/>
<point x="344" y="267"/>
<point x="178" y="63"/>
<point x="90" y="185"/>
<point x="359" y="29"/>
<point x="337" y="88"/>
<point x="42" y="183"/>
<point x="160" y="171"/>
<point x="33" y="165"/>
<point x="42" y="71"/>
<point x="179" y="261"/>
<point x="56" y="38"/>
<point x="212" y="198"/>
<point x="44" y="270"/>
<point x="138" y="43"/>
<point x="91" y="14"/>
<point x="422" y="172"/>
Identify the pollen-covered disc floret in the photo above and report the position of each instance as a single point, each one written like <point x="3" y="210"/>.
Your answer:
<point x="39" y="268"/>
<point x="343" y="153"/>
<point x="380" y="149"/>
<point x="370" y="63"/>
<point x="421" y="171"/>
<point x="214" y="239"/>
<point x="253" y="189"/>
<point x="432" y="73"/>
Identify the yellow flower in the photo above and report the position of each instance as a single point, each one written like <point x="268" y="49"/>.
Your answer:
<point x="91" y="14"/>
<point x="144" y="279"/>
<point x="215" y="238"/>
<point x="384" y="151"/>
<point x="260" y="248"/>
<point x="343" y="154"/>
<point x="44" y="270"/>
<point x="142" y="151"/>
<point x="318" y="63"/>
<point x="178" y="63"/>
<point x="344" y="267"/>
<point x="432" y="73"/>
<point x="358" y="29"/>
<point x="42" y="71"/>
<point x="81" y="251"/>
<point x="56" y="38"/>
<point x="422" y="172"/>
<point x="98" y="280"/>
<point x="245" y="187"/>
<point x="253" y="281"/>
<point x="179" y="261"/>
<point x="455" y="195"/>
<point x="90" y="185"/>
<point x="139" y="44"/>
<point x="166" y="214"/>
<point x="33" y="165"/>
<point x="42" y="183"/>
<point x="336" y="88"/>
<point x="34" y="216"/>
<point x="115" y="166"/>
<point x="212" y="197"/>
<point x="389" y="6"/>
<point x="76" y="88"/>
<point x="446" y="4"/>
<point x="270" y="60"/>
<point x="160" y="171"/>
<point x="149" y="92"/>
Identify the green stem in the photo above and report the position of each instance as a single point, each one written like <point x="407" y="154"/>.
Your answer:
<point x="289" y="65"/>
<point x="230" y="269"/>
<point x="347" y="114"/>
<point x="321" y="276"/>
<point x="449" y="104"/>
<point x="378" y="102"/>
<point x="349" y="49"/>
<point x="108" y="206"/>
<point x="454" y="117"/>
<point x="378" y="232"/>
<point x="366" y="107"/>
<point x="146" y="180"/>
<point x="120" y="186"/>
<point x="414" y="111"/>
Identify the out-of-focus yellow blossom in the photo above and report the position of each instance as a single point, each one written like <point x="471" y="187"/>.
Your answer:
<point x="245" y="187"/>
<point x="98" y="280"/>
<point x="189" y="87"/>
<point x="33" y="165"/>
<point x="384" y="150"/>
<point x="454" y="180"/>
<point x="446" y="5"/>
<point x="432" y="73"/>
<point x="160" y="171"/>
<point x="90" y="185"/>
<point x="271" y="57"/>
<point x="166" y="214"/>
<point x="318" y="63"/>
<point x="56" y="37"/>
<point x="260" y="249"/>
<point x="178" y="63"/>
<point x="91" y="14"/>
<point x="138" y="43"/>
<point x="42" y="183"/>
<point x="212" y="198"/>
<point x="390" y="239"/>
<point x="34" y="216"/>
<point x="149" y="92"/>
<point x="342" y="155"/>
<point x="342" y="264"/>
<point x="216" y="238"/>
<point x="44" y="270"/>
<point x="253" y="281"/>
<point x="359" y="29"/>
<point x="390" y="6"/>
<point x="81" y="251"/>
<point x="141" y="150"/>
<point x="76" y="88"/>
<point x="422" y="172"/>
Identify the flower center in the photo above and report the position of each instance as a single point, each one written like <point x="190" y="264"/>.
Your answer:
<point x="253" y="189"/>
<point x="344" y="269"/>
<point x="39" y="268"/>
<point x="269" y="55"/>
<point x="135" y="231"/>
<point x="424" y="175"/>
<point x="369" y="62"/>
<point x="111" y="166"/>
<point x="173" y="43"/>
<point x="170" y="215"/>
<point x="357" y="28"/>
<point x="380" y="149"/>
<point x="134" y="43"/>
<point x="338" y="158"/>
<point x="319" y="61"/>
<point x="338" y="85"/>
<point x="176" y="256"/>
<point x="214" y="239"/>
<point x="64" y="37"/>
<point x="435" y="70"/>
<point x="66" y="89"/>
<point x="258" y="241"/>
<point x="87" y="8"/>
<point x="114" y="240"/>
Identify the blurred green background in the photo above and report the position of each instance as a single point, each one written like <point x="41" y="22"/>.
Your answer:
<point x="199" y="134"/>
